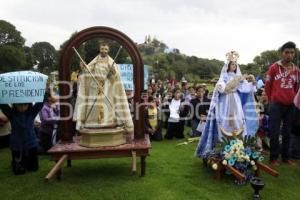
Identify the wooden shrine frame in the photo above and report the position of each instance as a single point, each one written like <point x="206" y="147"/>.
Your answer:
<point x="68" y="148"/>
<point x="64" y="74"/>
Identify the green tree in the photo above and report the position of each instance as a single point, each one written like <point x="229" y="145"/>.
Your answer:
<point x="181" y="68"/>
<point x="123" y="56"/>
<point x="91" y="49"/>
<point x="160" y="46"/>
<point x="74" y="62"/>
<point x="9" y="35"/>
<point x="46" y="54"/>
<point x="171" y="74"/>
<point x="28" y="57"/>
<point x="265" y="59"/>
<point x="192" y="78"/>
<point x="11" y="58"/>
<point x="251" y="68"/>
<point x="12" y="54"/>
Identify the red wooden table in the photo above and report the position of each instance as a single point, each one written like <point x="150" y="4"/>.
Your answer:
<point x="73" y="151"/>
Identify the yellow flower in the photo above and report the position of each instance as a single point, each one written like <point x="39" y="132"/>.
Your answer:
<point x="227" y="156"/>
<point x="224" y="162"/>
<point x="215" y="166"/>
<point x="254" y="167"/>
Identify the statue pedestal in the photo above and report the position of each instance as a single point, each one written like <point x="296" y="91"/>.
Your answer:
<point x="102" y="137"/>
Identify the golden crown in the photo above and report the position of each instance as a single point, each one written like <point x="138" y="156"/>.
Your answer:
<point x="232" y="56"/>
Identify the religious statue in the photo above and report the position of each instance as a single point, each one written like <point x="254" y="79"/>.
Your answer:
<point x="232" y="110"/>
<point x="101" y="106"/>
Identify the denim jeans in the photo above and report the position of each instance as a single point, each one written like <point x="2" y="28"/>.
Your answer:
<point x="281" y="118"/>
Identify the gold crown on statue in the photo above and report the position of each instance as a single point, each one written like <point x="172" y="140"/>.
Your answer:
<point x="232" y="56"/>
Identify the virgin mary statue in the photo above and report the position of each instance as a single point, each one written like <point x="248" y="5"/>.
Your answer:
<point x="232" y="110"/>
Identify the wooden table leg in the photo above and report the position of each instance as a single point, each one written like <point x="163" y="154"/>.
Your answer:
<point x="69" y="163"/>
<point x="133" y="153"/>
<point x="256" y="173"/>
<point x="235" y="172"/>
<point x="143" y="165"/>
<point x="56" y="170"/>
<point x="218" y="173"/>
<point x="204" y="161"/>
<point x="58" y="174"/>
<point x="267" y="169"/>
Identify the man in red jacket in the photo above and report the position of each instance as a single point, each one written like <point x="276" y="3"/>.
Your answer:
<point x="281" y="87"/>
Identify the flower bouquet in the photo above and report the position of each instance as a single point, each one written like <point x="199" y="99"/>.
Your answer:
<point x="237" y="156"/>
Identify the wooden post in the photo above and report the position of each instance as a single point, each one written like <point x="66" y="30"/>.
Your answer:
<point x="235" y="172"/>
<point x="218" y="172"/>
<point x="58" y="174"/>
<point x="204" y="163"/>
<point x="133" y="153"/>
<point x="69" y="163"/>
<point x="267" y="169"/>
<point x="257" y="172"/>
<point x="56" y="170"/>
<point x="143" y="165"/>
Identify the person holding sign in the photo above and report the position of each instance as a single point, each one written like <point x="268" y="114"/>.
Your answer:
<point x="23" y="88"/>
<point x="23" y="142"/>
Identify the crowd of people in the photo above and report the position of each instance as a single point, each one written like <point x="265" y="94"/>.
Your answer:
<point x="176" y="105"/>
<point x="172" y="105"/>
<point x="183" y="104"/>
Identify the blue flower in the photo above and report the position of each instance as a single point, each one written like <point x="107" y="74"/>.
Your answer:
<point x="261" y="158"/>
<point x="233" y="158"/>
<point x="238" y="165"/>
<point x="244" y="165"/>
<point x="247" y="151"/>
<point x="231" y="162"/>
<point x="227" y="148"/>
<point x="254" y="155"/>
<point x="232" y="142"/>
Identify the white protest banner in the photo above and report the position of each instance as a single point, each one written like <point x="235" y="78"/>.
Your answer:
<point x="22" y="87"/>
<point x="126" y="72"/>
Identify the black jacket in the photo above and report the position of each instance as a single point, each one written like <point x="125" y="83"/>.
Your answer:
<point x="199" y="108"/>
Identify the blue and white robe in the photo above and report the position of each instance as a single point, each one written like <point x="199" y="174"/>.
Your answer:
<point x="238" y="105"/>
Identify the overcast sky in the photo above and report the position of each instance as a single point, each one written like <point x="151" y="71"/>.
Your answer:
<point x="204" y="28"/>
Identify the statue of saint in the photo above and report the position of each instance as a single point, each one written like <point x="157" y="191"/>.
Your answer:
<point x="232" y="110"/>
<point x="101" y="101"/>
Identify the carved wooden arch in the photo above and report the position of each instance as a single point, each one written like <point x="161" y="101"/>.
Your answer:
<point x="64" y="75"/>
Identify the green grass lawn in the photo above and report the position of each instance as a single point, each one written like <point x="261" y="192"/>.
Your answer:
<point x="172" y="173"/>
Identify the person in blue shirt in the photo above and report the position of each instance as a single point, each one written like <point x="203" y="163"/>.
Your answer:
<point x="23" y="141"/>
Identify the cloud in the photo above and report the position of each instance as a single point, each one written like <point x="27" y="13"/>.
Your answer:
<point x="206" y="28"/>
